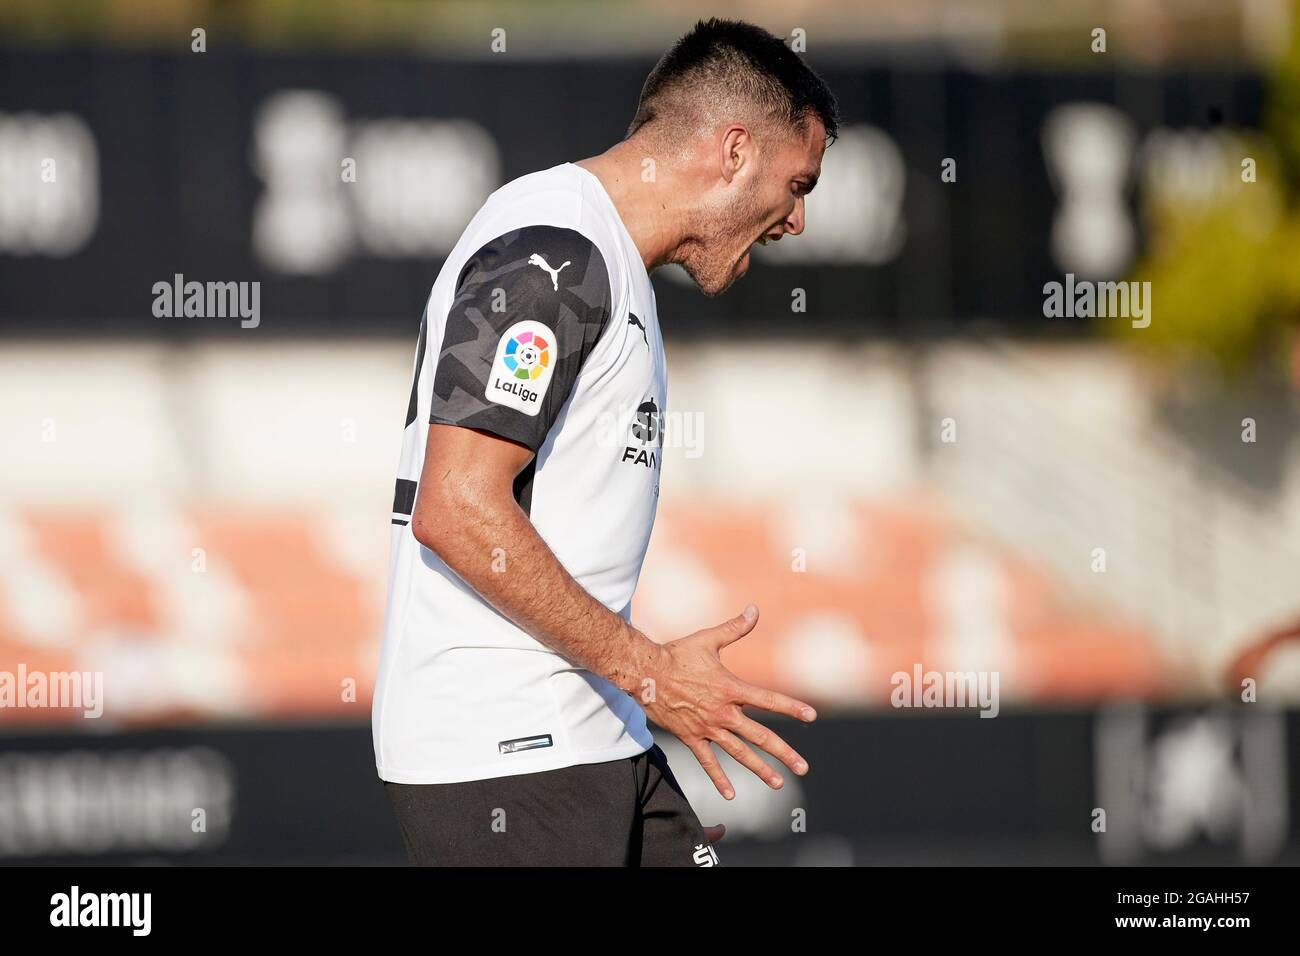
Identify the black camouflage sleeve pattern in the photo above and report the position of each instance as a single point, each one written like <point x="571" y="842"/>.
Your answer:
<point x="545" y="274"/>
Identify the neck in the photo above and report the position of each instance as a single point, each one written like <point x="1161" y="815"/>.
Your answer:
<point x="651" y="218"/>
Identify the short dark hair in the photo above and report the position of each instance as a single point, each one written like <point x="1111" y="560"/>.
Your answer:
<point x="731" y="56"/>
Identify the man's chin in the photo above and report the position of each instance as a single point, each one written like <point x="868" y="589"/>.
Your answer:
<point x="714" y="286"/>
<point x="738" y="270"/>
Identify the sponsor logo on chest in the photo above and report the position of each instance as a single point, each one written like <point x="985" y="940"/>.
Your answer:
<point x="645" y="435"/>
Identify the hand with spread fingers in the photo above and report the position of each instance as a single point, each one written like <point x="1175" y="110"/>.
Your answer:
<point x="694" y="697"/>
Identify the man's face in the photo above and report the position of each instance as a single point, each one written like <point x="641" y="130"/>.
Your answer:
<point x="761" y="204"/>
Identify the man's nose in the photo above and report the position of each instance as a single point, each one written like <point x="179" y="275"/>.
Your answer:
<point x="794" y="221"/>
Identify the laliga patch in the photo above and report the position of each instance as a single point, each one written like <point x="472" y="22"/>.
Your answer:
<point x="522" y="370"/>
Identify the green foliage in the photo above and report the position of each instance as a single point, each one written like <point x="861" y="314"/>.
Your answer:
<point x="1224" y="263"/>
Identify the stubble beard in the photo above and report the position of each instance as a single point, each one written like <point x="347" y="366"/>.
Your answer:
<point x="709" y="257"/>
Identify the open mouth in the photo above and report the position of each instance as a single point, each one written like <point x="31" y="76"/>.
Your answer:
<point x="763" y="239"/>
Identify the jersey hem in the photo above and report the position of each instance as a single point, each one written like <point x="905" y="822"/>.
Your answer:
<point x="493" y="771"/>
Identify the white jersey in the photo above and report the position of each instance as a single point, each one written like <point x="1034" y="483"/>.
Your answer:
<point x="540" y="328"/>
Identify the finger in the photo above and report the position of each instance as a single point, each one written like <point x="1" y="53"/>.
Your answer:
<point x="728" y="632"/>
<point x="776" y="703"/>
<point x="770" y="742"/>
<point x="704" y="754"/>
<point x="715" y="833"/>
<point x="748" y="759"/>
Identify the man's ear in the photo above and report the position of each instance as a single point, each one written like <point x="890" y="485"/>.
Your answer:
<point x="734" y="151"/>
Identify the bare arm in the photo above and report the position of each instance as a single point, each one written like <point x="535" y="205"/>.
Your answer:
<point x="465" y="510"/>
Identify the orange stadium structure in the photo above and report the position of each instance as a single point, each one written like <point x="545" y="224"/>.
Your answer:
<point x="301" y="626"/>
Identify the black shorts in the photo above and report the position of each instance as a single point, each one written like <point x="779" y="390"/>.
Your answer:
<point x="628" y="812"/>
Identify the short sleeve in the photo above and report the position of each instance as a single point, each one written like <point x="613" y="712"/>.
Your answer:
<point x="528" y="309"/>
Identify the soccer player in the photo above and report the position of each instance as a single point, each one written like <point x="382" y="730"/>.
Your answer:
<point x="510" y="708"/>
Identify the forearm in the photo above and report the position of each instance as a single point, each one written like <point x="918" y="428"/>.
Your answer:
<point x="494" y="548"/>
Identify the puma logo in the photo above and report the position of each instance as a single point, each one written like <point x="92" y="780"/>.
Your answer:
<point x="633" y="320"/>
<point x="537" y="260"/>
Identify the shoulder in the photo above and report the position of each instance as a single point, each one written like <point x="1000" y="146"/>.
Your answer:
<point x="539" y="222"/>
<point x="544" y="262"/>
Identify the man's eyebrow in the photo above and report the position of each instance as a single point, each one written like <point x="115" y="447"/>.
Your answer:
<point x="812" y="181"/>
